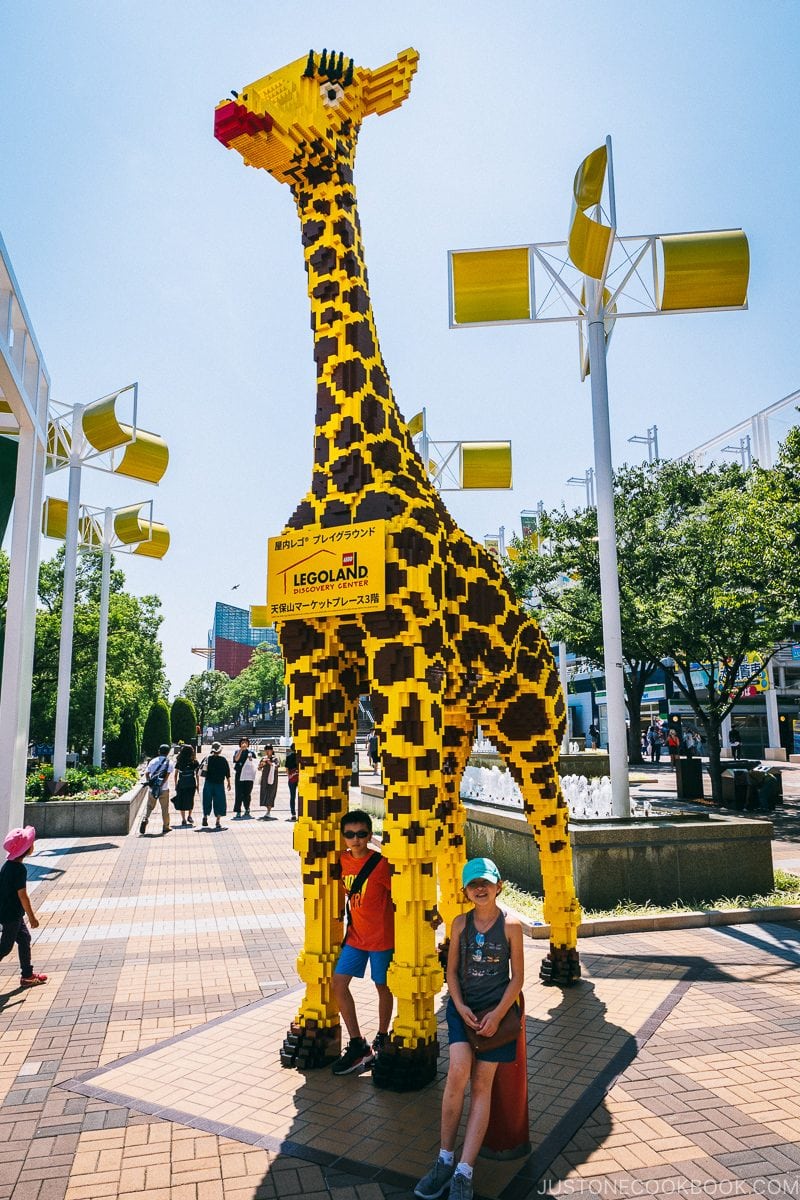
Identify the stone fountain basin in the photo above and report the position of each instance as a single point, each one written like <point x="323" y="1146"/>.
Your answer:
<point x="690" y="857"/>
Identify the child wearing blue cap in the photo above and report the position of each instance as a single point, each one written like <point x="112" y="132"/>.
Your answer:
<point x="485" y="971"/>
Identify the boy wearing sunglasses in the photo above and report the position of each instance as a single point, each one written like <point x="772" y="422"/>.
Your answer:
<point x="369" y="937"/>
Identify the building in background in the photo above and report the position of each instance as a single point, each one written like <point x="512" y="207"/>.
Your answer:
<point x="232" y="639"/>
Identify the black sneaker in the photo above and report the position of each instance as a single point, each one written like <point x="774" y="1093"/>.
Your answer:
<point x="205" y="822"/>
<point x="379" y="1041"/>
<point x="143" y="827"/>
<point x="357" y="1057"/>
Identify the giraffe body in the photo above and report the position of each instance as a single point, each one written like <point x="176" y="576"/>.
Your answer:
<point x="451" y="647"/>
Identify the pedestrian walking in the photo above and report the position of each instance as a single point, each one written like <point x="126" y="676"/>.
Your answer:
<point x="157" y="773"/>
<point x="244" y="785"/>
<point x="268" y="787"/>
<point x="186" y="771"/>
<point x="240" y="757"/>
<point x="217" y="773"/>
<point x="673" y="746"/>
<point x="594" y="736"/>
<point x="368" y="938"/>
<point x="372" y="750"/>
<point x="292" y="765"/>
<point x="655" y="740"/>
<point x="735" y="742"/>
<point x="15" y="904"/>
<point x="485" y="971"/>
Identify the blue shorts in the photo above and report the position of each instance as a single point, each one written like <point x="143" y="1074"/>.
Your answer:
<point x="456" y="1032"/>
<point x="354" y="962"/>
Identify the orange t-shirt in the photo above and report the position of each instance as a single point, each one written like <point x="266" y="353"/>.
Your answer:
<point x="371" y="909"/>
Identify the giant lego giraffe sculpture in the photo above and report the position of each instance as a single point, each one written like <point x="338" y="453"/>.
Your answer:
<point x="452" y="645"/>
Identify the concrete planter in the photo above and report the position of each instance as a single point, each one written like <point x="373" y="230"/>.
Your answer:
<point x="661" y="859"/>
<point x="85" y="818"/>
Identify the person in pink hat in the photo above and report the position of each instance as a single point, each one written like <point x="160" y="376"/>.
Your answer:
<point x="15" y="904"/>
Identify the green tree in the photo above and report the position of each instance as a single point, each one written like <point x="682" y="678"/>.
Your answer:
<point x="135" y="666"/>
<point x="206" y="691"/>
<point x="711" y="579"/>
<point x="183" y="720"/>
<point x="559" y="571"/>
<point x="156" y="730"/>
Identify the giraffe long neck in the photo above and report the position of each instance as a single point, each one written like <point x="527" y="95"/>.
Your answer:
<point x="361" y="443"/>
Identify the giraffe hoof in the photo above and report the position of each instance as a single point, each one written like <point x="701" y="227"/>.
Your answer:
<point x="400" y="1068"/>
<point x="307" y="1047"/>
<point x="561" y="968"/>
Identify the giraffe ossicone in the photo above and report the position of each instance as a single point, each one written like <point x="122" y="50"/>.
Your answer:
<point x="452" y="646"/>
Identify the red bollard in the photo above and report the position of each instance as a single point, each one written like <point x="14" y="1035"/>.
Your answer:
<point x="508" y="1135"/>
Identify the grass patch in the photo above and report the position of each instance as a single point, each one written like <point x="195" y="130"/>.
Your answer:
<point x="786" y="891"/>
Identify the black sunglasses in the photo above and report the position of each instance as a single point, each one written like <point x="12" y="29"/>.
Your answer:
<point x="356" y="833"/>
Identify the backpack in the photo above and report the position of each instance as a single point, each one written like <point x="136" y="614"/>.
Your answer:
<point x="156" y="779"/>
<point x="186" y="778"/>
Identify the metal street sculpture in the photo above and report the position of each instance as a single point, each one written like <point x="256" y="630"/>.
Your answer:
<point x="446" y="646"/>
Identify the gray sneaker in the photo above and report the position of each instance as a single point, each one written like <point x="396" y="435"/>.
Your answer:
<point x="436" y="1182"/>
<point x="460" y="1187"/>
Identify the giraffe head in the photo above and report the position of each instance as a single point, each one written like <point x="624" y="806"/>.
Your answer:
<point x="293" y="121"/>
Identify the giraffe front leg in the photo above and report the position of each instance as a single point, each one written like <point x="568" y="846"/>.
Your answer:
<point x="323" y="690"/>
<point x="411" y="759"/>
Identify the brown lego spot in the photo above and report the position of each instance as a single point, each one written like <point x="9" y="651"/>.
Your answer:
<point x="413" y="547"/>
<point x="393" y="663"/>
<point x="351" y="472"/>
<point x="524" y="718"/>
<point x="359" y="335"/>
<point x="349" y="376"/>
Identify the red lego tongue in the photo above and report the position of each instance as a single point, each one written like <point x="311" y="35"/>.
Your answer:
<point x="232" y="120"/>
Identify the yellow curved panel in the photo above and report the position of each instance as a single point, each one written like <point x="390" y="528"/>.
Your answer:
<point x="705" y="270"/>
<point x="588" y="239"/>
<point x="54" y="518"/>
<point x="101" y="427"/>
<point x="491" y="285"/>
<point x="486" y="464"/>
<point x="145" y="458"/>
<point x="90" y="536"/>
<point x="59" y="441"/>
<point x="130" y="526"/>
<point x="158" y="545"/>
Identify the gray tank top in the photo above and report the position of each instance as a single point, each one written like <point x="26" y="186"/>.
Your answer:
<point x="485" y="964"/>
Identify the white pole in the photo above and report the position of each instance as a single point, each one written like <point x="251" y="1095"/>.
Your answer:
<point x="17" y="665"/>
<point x="286" y="727"/>
<point x="102" y="642"/>
<point x="607" y="548"/>
<point x="771" y="699"/>
<point x="562" y="671"/>
<point x="68" y="602"/>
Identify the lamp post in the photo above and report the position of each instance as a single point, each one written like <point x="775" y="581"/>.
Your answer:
<point x="595" y="279"/>
<point x="585" y="481"/>
<point x="90" y="435"/>
<point x="650" y="440"/>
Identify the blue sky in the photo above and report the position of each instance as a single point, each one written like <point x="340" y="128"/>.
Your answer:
<point x="146" y="251"/>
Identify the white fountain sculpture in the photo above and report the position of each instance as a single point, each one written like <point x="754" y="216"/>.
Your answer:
<point x="585" y="797"/>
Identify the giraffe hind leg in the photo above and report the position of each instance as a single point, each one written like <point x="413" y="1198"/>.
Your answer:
<point x="532" y="758"/>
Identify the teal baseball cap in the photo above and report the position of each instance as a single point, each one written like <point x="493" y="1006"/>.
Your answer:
<point x="479" y="868"/>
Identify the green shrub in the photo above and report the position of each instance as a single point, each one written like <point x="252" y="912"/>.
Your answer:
<point x="184" y="720"/>
<point x="86" y="782"/>
<point x="157" y="731"/>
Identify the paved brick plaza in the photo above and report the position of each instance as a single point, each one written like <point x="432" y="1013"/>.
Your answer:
<point x="147" y="1066"/>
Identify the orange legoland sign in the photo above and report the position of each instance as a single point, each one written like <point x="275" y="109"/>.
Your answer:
<point x="317" y="572"/>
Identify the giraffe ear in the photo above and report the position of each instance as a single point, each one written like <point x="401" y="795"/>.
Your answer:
<point x="387" y="87"/>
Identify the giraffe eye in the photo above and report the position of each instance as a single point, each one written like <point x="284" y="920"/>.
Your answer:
<point x="332" y="94"/>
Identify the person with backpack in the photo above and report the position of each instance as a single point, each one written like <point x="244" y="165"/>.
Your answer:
<point x="157" y="773"/>
<point x="368" y="938"/>
<point x="186" y="770"/>
<point x="217" y="775"/>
